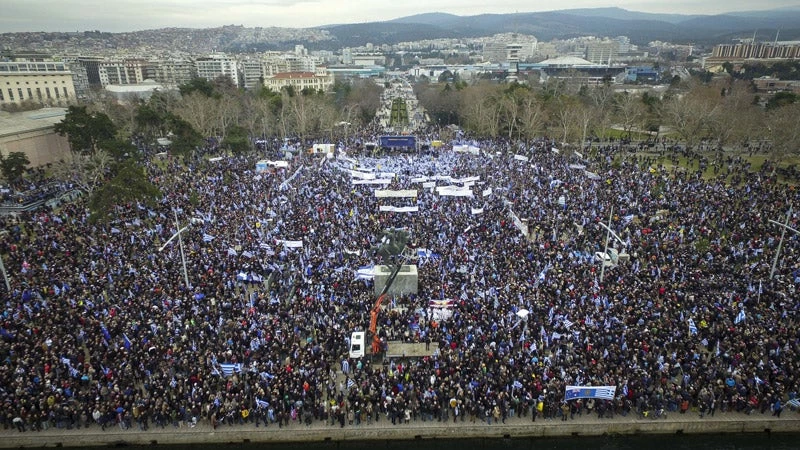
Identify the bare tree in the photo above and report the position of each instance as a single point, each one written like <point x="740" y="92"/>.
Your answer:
<point x="87" y="172"/>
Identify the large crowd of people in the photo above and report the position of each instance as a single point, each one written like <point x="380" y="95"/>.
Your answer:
<point x="101" y="329"/>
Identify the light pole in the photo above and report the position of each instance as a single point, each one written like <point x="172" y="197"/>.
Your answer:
<point x="5" y="275"/>
<point x="605" y="250"/>
<point x="784" y="226"/>
<point x="180" y="243"/>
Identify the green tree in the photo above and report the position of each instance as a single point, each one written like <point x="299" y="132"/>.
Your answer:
<point x="237" y="140"/>
<point x="86" y="131"/>
<point x="13" y="166"/>
<point x="183" y="136"/>
<point x="781" y="99"/>
<point x="200" y="85"/>
<point x="130" y="184"/>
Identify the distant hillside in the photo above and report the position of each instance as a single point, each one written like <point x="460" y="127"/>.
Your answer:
<point x="640" y="27"/>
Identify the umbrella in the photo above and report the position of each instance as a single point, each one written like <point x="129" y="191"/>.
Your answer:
<point x="523" y="313"/>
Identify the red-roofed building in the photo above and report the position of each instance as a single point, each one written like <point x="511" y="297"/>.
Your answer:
<point x="318" y="80"/>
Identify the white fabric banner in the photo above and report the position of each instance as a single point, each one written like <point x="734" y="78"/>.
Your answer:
<point x="289" y="244"/>
<point x="376" y="181"/>
<point x="387" y="175"/>
<point x="521" y="158"/>
<point x="466" y="179"/>
<point x="400" y="209"/>
<point x="454" y="191"/>
<point x="487" y="192"/>
<point x="477" y="211"/>
<point x="405" y="193"/>
<point x="419" y="179"/>
<point x="429" y="184"/>
<point x="362" y="175"/>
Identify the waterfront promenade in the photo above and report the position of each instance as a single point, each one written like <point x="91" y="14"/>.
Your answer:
<point x="517" y="427"/>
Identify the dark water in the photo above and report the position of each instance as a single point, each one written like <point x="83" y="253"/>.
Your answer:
<point x="653" y="442"/>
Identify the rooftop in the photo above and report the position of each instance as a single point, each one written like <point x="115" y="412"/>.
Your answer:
<point x="22" y="122"/>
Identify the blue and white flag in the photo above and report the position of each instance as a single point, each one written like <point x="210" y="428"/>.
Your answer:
<point x="229" y="368"/>
<point x="350" y="383"/>
<point x="126" y="342"/>
<point x="740" y="317"/>
<point x="261" y="403"/>
<point x="598" y="392"/>
<point x="516" y="385"/>
<point x="692" y="327"/>
<point x="207" y="237"/>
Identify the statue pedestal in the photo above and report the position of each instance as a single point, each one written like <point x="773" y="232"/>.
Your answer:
<point x="406" y="281"/>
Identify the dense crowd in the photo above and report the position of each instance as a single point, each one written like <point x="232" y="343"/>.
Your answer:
<point x="100" y="329"/>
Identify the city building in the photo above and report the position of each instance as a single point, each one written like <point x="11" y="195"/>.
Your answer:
<point x="602" y="52"/>
<point x="757" y="50"/>
<point x="126" y="71"/>
<point x="251" y="73"/>
<point x="171" y="72"/>
<point x="130" y="93"/>
<point x="319" y="80"/>
<point x="217" y="65"/>
<point x="44" y="83"/>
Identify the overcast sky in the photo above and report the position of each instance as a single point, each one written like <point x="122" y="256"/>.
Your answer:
<point x="131" y="15"/>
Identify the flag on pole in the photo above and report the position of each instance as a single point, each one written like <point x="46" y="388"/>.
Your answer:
<point x="126" y="342"/>
<point x="692" y="327"/>
<point x="740" y="317"/>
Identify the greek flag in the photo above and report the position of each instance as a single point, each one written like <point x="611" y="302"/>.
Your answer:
<point x="740" y="317"/>
<point x="598" y="392"/>
<point x="207" y="237"/>
<point x="692" y="327"/>
<point x="350" y="383"/>
<point x="261" y="403"/>
<point x="229" y="368"/>
<point x="516" y="385"/>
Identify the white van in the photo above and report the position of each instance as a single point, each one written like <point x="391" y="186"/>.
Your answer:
<point x="357" y="344"/>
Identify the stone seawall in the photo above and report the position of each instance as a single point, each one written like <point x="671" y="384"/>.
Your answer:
<point x="383" y="431"/>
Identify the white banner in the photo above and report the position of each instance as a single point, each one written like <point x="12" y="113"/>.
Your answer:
<point x="579" y="155"/>
<point x="466" y="180"/>
<point x="592" y="175"/>
<point x="487" y="192"/>
<point x="477" y="211"/>
<point x="400" y="209"/>
<point x="454" y="191"/>
<point x="429" y="184"/>
<point x="521" y="158"/>
<point x="362" y="175"/>
<point x="376" y="181"/>
<point x="405" y="193"/>
<point x="419" y="179"/>
<point x="289" y="244"/>
<point x="387" y="175"/>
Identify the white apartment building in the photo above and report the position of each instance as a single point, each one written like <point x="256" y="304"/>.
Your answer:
<point x="46" y="83"/>
<point x="217" y="65"/>
<point x="127" y="71"/>
<point x="171" y="73"/>
<point x="251" y="73"/>
<point x="319" y="80"/>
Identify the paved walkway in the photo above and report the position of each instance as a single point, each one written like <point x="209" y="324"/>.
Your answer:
<point x="689" y="423"/>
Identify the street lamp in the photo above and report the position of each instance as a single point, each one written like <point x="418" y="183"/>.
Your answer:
<point x="5" y="275"/>
<point x="785" y="226"/>
<point x="180" y="242"/>
<point x="609" y="233"/>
